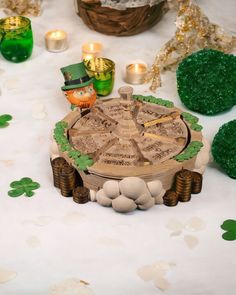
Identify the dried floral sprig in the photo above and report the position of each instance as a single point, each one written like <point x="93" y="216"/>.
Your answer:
<point x="193" y="32"/>
<point x="21" y="7"/>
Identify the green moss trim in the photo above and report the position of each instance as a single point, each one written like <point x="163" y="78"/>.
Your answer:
<point x="189" y="118"/>
<point x="80" y="160"/>
<point x="192" y="120"/>
<point x="152" y="99"/>
<point x="196" y="127"/>
<point x="190" y="152"/>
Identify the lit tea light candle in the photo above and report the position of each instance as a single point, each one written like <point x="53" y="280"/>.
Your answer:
<point x="91" y="50"/>
<point x="136" y="73"/>
<point x="56" y="41"/>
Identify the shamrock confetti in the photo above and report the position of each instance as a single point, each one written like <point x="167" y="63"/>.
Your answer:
<point x="24" y="186"/>
<point x="229" y="226"/>
<point x="4" y="120"/>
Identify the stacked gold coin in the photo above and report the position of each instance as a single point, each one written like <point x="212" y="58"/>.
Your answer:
<point x="170" y="198"/>
<point x="81" y="195"/>
<point x="196" y="182"/>
<point x="57" y="165"/>
<point x="67" y="180"/>
<point x="183" y="185"/>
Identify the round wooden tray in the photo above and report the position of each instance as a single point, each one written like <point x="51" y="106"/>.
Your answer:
<point x="130" y="138"/>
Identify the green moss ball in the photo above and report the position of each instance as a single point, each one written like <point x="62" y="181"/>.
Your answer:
<point x="206" y="81"/>
<point x="224" y="148"/>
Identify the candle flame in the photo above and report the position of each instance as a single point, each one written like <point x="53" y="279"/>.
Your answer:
<point x="136" y="67"/>
<point x="91" y="46"/>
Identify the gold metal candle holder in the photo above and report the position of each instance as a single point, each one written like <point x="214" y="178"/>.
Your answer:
<point x="56" y="41"/>
<point x="136" y="73"/>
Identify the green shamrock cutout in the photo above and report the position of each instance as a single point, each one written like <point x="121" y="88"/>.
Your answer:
<point x="229" y="226"/>
<point x="4" y="120"/>
<point x="83" y="162"/>
<point x="24" y="186"/>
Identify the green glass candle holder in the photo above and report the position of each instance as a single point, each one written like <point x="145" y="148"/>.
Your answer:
<point x="102" y="70"/>
<point x="16" y="38"/>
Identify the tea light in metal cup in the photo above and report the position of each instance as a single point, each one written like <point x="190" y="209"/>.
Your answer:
<point x="56" y="41"/>
<point x="91" y="50"/>
<point x="136" y="73"/>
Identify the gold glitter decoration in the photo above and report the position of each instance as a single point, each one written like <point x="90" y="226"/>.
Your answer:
<point x="193" y="32"/>
<point x="21" y="7"/>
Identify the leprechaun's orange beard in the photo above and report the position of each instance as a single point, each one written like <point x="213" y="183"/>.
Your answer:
<point x="83" y="97"/>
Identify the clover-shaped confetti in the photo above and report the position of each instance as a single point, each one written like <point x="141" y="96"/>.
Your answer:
<point x="4" y="120"/>
<point x="229" y="226"/>
<point x="24" y="186"/>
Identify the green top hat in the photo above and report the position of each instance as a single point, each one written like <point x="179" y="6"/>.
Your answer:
<point x="75" y="76"/>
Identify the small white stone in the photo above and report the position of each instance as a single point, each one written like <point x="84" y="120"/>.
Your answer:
<point x="123" y="204"/>
<point x="132" y="187"/>
<point x="159" y="198"/>
<point x="111" y="189"/>
<point x="147" y="205"/>
<point x="102" y="198"/>
<point x="154" y="187"/>
<point x="92" y="195"/>
<point x="144" y="198"/>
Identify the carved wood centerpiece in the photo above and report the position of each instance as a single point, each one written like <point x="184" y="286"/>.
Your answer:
<point x="132" y="136"/>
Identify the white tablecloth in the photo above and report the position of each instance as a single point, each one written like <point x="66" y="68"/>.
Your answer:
<point x="48" y="239"/>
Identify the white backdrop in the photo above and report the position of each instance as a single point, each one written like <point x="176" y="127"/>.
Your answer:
<point x="48" y="239"/>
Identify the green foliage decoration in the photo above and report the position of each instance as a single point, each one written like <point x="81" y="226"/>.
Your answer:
<point x="192" y="120"/>
<point x="191" y="151"/>
<point x="81" y="161"/>
<point x="153" y="99"/>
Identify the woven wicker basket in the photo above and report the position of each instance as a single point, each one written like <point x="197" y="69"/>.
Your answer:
<point x="115" y="22"/>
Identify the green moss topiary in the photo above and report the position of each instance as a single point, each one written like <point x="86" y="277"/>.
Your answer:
<point x="224" y="148"/>
<point x="206" y="81"/>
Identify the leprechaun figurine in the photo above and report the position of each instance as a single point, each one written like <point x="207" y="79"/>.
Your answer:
<point x="78" y="87"/>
